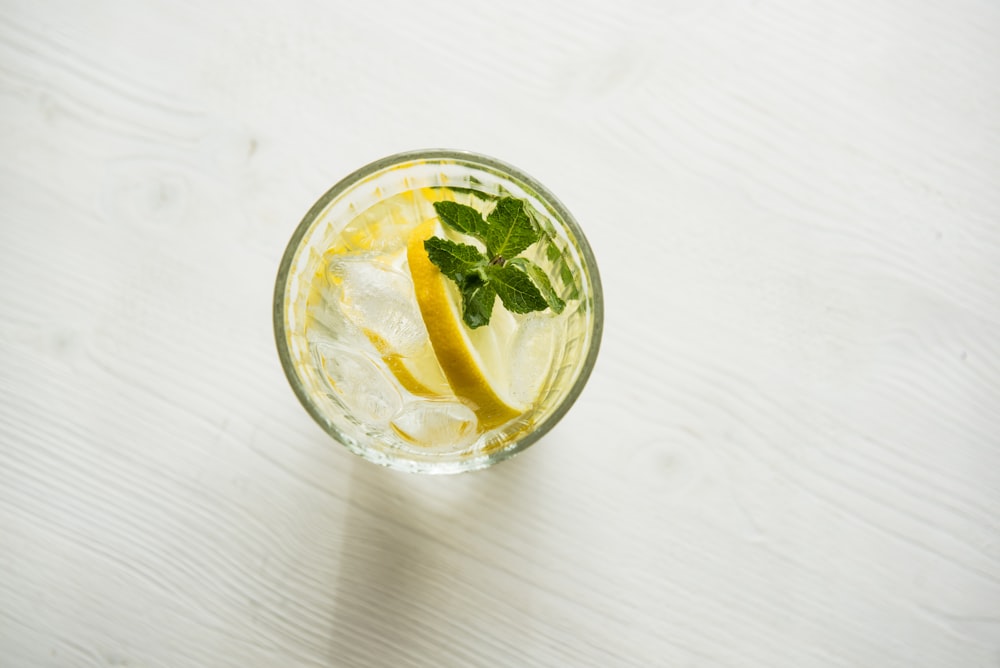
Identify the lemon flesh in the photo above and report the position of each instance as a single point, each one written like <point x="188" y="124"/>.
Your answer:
<point x="419" y="374"/>
<point x="458" y="358"/>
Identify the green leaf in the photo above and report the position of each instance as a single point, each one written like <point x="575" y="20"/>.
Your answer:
<point x="553" y="254"/>
<point x="463" y="218"/>
<point x="509" y="230"/>
<point x="566" y="274"/>
<point x="515" y="289"/>
<point x="456" y="261"/>
<point x="478" y="298"/>
<point x="541" y="281"/>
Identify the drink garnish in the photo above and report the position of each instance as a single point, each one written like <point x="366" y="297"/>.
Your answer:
<point x="481" y="276"/>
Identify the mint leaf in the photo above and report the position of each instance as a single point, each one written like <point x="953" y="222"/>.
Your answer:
<point x="478" y="298"/>
<point x="463" y="218"/>
<point x="509" y="230"/>
<point x="515" y="289"/>
<point x="541" y="281"/>
<point x="456" y="261"/>
<point x="555" y="256"/>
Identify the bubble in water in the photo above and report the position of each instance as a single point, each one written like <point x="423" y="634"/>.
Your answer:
<point x="531" y="353"/>
<point x="378" y="299"/>
<point x="437" y="424"/>
<point x="360" y="383"/>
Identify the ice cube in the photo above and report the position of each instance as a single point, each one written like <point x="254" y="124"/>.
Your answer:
<point x="532" y="349"/>
<point x="360" y="382"/>
<point x="385" y="226"/>
<point x="326" y="321"/>
<point x="436" y="424"/>
<point x="380" y="300"/>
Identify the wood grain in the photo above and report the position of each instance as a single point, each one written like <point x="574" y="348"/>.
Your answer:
<point x="788" y="455"/>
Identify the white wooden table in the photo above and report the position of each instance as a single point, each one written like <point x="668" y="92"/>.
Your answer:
<point x="788" y="454"/>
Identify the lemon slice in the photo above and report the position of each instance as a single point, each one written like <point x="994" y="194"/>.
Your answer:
<point x="419" y="373"/>
<point x="459" y="359"/>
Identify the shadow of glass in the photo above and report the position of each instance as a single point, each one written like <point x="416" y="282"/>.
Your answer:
<point x="416" y="561"/>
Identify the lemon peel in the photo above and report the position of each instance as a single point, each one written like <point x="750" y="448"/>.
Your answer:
<point x="419" y="374"/>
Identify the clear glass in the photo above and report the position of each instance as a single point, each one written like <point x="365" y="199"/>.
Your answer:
<point x="355" y="347"/>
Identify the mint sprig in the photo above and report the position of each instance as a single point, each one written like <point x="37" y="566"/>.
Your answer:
<point x="506" y="232"/>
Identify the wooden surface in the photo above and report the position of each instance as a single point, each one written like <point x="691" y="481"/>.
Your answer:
<point x="788" y="454"/>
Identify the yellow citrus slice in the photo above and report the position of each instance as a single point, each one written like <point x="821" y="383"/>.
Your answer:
<point x="456" y="354"/>
<point x="418" y="373"/>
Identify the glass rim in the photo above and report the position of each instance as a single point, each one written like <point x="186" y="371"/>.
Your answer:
<point x="564" y="216"/>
